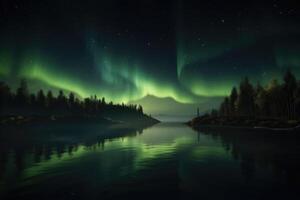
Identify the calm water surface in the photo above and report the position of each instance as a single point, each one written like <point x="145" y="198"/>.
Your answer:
<point x="168" y="160"/>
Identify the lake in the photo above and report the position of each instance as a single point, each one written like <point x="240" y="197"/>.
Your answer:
<point x="167" y="160"/>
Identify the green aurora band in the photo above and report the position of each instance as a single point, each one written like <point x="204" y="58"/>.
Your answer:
<point x="114" y="85"/>
<point x="285" y="57"/>
<point x="121" y="80"/>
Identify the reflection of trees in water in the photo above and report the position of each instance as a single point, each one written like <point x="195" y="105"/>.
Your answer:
<point x="279" y="152"/>
<point x="19" y="148"/>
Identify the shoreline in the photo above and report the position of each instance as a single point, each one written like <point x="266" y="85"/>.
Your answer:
<point x="260" y="124"/>
<point x="65" y="119"/>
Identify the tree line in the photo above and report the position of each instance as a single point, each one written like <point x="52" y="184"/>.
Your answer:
<point x="275" y="100"/>
<point x="23" y="102"/>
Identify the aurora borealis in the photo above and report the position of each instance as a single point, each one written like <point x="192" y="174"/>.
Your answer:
<point x="190" y="51"/>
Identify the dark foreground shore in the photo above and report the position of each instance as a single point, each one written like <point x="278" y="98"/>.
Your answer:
<point x="56" y="119"/>
<point x="243" y="122"/>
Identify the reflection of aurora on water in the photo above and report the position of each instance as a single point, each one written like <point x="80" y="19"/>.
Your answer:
<point x="166" y="155"/>
<point x="134" y="153"/>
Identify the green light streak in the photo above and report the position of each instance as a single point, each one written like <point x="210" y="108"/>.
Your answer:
<point x="122" y="85"/>
<point x="5" y="63"/>
<point x="134" y="83"/>
<point x="208" y="87"/>
<point x="199" y="88"/>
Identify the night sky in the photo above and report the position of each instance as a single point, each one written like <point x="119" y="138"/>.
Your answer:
<point x="190" y="51"/>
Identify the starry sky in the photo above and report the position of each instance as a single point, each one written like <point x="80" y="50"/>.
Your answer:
<point x="189" y="52"/>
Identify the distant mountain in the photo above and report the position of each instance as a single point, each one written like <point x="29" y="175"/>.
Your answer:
<point x="168" y="107"/>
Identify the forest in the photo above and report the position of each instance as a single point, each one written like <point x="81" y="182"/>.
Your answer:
<point x="22" y="102"/>
<point x="276" y="105"/>
<point x="279" y="99"/>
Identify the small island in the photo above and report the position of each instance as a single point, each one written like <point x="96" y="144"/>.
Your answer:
<point x="273" y="107"/>
<point x="24" y="107"/>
